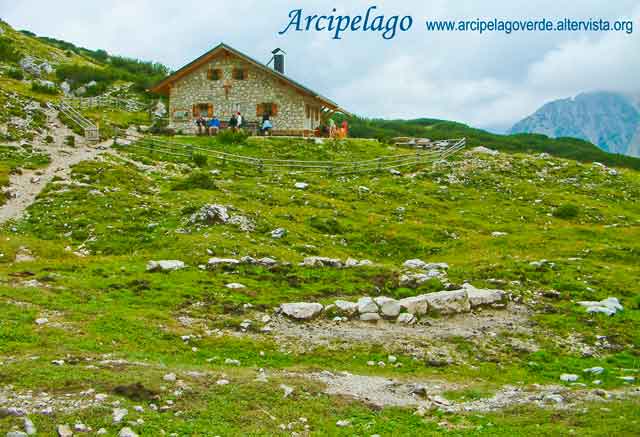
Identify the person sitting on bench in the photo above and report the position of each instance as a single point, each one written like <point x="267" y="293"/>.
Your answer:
<point x="214" y="126"/>
<point x="266" y="125"/>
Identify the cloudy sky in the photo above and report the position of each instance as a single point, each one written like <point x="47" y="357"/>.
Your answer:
<point x="489" y="80"/>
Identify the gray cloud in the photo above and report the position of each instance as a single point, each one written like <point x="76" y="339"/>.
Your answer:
<point x="486" y="80"/>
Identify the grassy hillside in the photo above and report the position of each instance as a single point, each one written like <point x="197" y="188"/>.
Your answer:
<point x="116" y="325"/>
<point x="570" y="148"/>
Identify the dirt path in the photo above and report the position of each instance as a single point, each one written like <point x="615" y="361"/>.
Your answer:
<point x="25" y="187"/>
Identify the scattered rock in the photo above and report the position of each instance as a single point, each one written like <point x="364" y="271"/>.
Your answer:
<point x="321" y="261"/>
<point x="301" y="310"/>
<point x="608" y="306"/>
<point x="210" y="215"/>
<point x="64" y="431"/>
<point x="170" y="377"/>
<point x="217" y="262"/>
<point x="485" y="151"/>
<point x="235" y="286"/>
<point x="449" y="302"/>
<point x="165" y="266"/>
<point x="481" y="297"/>
<point x="415" y="305"/>
<point x="569" y="377"/>
<point x="287" y="390"/>
<point x="346" y="307"/>
<point x="406" y="318"/>
<point x="29" y="427"/>
<point x="594" y="370"/>
<point x="127" y="432"/>
<point x="278" y="233"/>
<point x="343" y="423"/>
<point x="301" y="185"/>
<point x="42" y="321"/>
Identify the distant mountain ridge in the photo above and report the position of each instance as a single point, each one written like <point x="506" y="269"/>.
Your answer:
<point x="608" y="119"/>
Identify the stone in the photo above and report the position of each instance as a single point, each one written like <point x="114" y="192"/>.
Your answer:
<point x="80" y="427"/>
<point x="481" y="297"/>
<point x="170" y="377"/>
<point x="232" y="362"/>
<point x="367" y="305"/>
<point x="608" y="306"/>
<point x="485" y="151"/>
<point x="217" y="262"/>
<point x="414" y="264"/>
<point x="499" y="234"/>
<point x="23" y="254"/>
<point x="343" y="423"/>
<point x="321" y="261"/>
<point x="127" y="432"/>
<point x="416" y="305"/>
<point x="569" y="377"/>
<point x="64" y="431"/>
<point x="627" y="378"/>
<point x="235" y="286"/>
<point x="47" y="68"/>
<point x="16" y="434"/>
<point x="244" y="223"/>
<point x="449" y="302"/>
<point x="301" y="185"/>
<point x="278" y="233"/>
<point x="594" y="370"/>
<point x="101" y="431"/>
<point x="392" y="359"/>
<point x="406" y="318"/>
<point x="346" y="307"/>
<point x="389" y="308"/>
<point x="42" y="321"/>
<point x="210" y="215"/>
<point x="29" y="65"/>
<point x="301" y="310"/>
<point x="267" y="262"/>
<point x="413" y="280"/>
<point x="165" y="266"/>
<point x="65" y="87"/>
<point x="370" y="317"/>
<point x="119" y="414"/>
<point x="29" y="427"/>
<point x="287" y="390"/>
<point x="222" y="382"/>
<point x="394" y="172"/>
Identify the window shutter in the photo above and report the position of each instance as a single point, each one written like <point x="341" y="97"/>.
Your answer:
<point x="210" y="74"/>
<point x="259" y="110"/>
<point x="245" y="73"/>
<point x="210" y="110"/>
<point x="195" y="111"/>
<point x="274" y="109"/>
<point x="218" y="74"/>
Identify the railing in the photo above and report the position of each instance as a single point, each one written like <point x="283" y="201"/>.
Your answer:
<point x="420" y="156"/>
<point x="105" y="101"/>
<point x="91" y="132"/>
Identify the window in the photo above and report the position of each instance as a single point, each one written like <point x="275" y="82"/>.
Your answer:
<point x="214" y="74"/>
<point x="180" y="114"/>
<point x="203" y="110"/>
<point x="268" y="108"/>
<point x="240" y="74"/>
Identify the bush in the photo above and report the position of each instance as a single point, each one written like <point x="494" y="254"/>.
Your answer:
<point x="48" y="139"/>
<point x="70" y="140"/>
<point x="198" y="180"/>
<point x="8" y="53"/>
<point x="228" y="136"/>
<point x="43" y="89"/>
<point x="329" y="226"/>
<point x="567" y="211"/>
<point x="16" y="74"/>
<point x="200" y="159"/>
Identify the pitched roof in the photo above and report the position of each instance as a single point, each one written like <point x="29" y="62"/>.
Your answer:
<point x="162" y="87"/>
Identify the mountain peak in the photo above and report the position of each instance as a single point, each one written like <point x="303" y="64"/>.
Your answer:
<point x="609" y="119"/>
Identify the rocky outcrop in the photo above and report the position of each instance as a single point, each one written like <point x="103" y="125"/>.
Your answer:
<point x="301" y="310"/>
<point x="164" y="265"/>
<point x="607" y="119"/>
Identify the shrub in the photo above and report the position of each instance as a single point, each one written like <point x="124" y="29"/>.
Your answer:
<point x="48" y="139"/>
<point x="329" y="226"/>
<point x="567" y="211"/>
<point x="43" y="88"/>
<point x="197" y="180"/>
<point x="200" y="159"/>
<point x="8" y="53"/>
<point x="228" y="136"/>
<point x="15" y="73"/>
<point x="70" y="140"/>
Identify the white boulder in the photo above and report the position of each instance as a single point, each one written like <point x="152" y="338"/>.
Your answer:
<point x="164" y="265"/>
<point x="449" y="302"/>
<point x="301" y="310"/>
<point x="367" y="305"/>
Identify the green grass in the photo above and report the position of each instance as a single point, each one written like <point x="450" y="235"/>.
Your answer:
<point x="106" y="302"/>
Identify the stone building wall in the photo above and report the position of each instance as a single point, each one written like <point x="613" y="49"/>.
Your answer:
<point x="243" y="95"/>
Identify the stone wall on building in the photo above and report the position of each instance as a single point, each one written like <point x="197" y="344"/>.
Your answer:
<point x="259" y="86"/>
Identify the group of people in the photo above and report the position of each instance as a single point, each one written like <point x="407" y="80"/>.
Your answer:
<point x="213" y="125"/>
<point x="337" y="132"/>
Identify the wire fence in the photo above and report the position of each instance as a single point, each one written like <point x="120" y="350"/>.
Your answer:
<point x="443" y="150"/>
